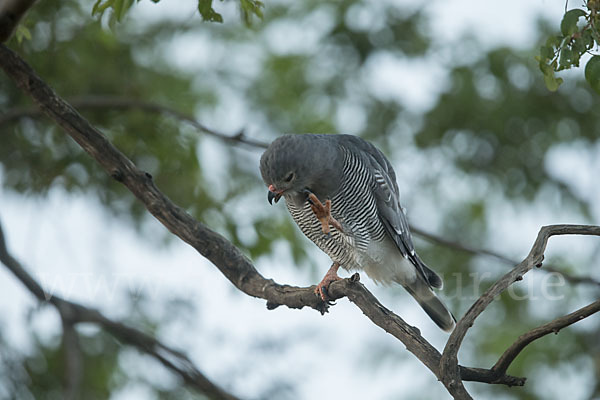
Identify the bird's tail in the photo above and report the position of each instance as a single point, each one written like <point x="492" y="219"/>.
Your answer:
<point x="432" y="305"/>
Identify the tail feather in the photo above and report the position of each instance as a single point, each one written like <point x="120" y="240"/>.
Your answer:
<point x="432" y="305"/>
<point x="430" y="275"/>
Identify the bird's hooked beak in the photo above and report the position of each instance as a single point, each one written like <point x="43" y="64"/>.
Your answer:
<point x="274" y="194"/>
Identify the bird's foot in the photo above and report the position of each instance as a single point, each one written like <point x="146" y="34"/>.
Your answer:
<point x="323" y="213"/>
<point x="323" y="286"/>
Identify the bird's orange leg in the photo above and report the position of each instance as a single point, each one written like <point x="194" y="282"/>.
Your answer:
<point x="330" y="276"/>
<point x="323" y="213"/>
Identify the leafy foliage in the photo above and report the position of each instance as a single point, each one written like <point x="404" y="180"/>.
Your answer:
<point x="119" y="8"/>
<point x="564" y="51"/>
<point x="208" y="13"/>
<point x="506" y="136"/>
<point x="38" y="374"/>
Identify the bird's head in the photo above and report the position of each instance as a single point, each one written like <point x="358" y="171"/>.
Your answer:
<point x="294" y="163"/>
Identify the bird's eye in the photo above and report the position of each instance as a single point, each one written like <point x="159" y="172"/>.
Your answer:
<point x="289" y="177"/>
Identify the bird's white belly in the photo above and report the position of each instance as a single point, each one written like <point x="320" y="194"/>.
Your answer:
<point x="384" y="264"/>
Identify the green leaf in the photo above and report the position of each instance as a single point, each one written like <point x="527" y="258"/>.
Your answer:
<point x="595" y="36"/>
<point x="553" y="41"/>
<point x="121" y="7"/>
<point x="545" y="68"/>
<point x="588" y="38"/>
<point x="100" y="7"/>
<point x="118" y="8"/>
<point x="568" y="26"/>
<point x="565" y="58"/>
<point x="22" y="33"/>
<point x="592" y="73"/>
<point x="250" y="8"/>
<point x="207" y="12"/>
<point x="551" y="81"/>
<point x="546" y="52"/>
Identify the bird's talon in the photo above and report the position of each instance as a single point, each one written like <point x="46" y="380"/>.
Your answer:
<point x="310" y="197"/>
<point x="322" y="288"/>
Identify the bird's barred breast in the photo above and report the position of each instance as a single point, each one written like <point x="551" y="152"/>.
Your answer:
<point x="354" y="206"/>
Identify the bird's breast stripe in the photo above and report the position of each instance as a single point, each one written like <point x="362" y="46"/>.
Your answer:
<point x="354" y="206"/>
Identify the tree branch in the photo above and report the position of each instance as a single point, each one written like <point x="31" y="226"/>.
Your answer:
<point x="551" y="327"/>
<point x="409" y="335"/>
<point x="488" y="253"/>
<point x="73" y="313"/>
<point x="449" y="363"/>
<point x="73" y="361"/>
<point x="119" y="103"/>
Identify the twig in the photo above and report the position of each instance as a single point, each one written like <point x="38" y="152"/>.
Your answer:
<point x="73" y="313"/>
<point x="551" y="327"/>
<point x="119" y="103"/>
<point x="73" y="360"/>
<point x="489" y="253"/>
<point x="449" y="362"/>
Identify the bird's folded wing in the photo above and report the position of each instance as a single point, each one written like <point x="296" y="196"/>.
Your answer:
<point x="387" y="198"/>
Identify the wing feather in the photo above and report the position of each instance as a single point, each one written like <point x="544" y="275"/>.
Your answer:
<point x="390" y="211"/>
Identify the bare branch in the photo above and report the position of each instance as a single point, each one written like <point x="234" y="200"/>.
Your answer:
<point x="170" y="358"/>
<point x="407" y="334"/>
<point x="119" y="103"/>
<point x="73" y="313"/>
<point x="551" y="327"/>
<point x="488" y="253"/>
<point x="15" y="267"/>
<point x="449" y="368"/>
<point x="73" y="361"/>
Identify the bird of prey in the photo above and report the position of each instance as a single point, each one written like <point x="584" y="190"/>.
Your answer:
<point x="342" y="192"/>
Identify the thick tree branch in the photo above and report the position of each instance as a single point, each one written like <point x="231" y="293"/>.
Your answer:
<point x="73" y="313"/>
<point x="551" y="327"/>
<point x="119" y="103"/>
<point x="449" y="367"/>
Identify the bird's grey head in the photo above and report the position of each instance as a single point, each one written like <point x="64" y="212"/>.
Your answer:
<point x="293" y="164"/>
